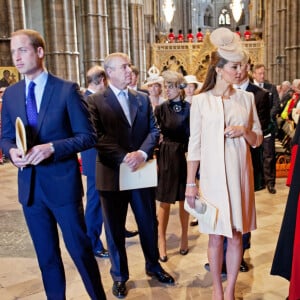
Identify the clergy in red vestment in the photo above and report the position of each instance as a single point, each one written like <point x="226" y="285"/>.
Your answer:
<point x="286" y="262"/>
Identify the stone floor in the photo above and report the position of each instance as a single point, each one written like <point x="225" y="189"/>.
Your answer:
<point x="20" y="276"/>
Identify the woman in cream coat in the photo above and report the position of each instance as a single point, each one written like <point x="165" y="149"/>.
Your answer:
<point x="223" y="126"/>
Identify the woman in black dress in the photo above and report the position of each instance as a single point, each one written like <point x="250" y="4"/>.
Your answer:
<point x="173" y="119"/>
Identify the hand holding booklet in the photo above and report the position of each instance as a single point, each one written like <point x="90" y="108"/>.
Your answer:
<point x="21" y="135"/>
<point x="145" y="176"/>
<point x="204" y="211"/>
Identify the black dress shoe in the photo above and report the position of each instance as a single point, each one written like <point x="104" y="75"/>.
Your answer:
<point x="244" y="267"/>
<point x="161" y="276"/>
<point x="119" y="289"/>
<point x="163" y="258"/>
<point x="223" y="271"/>
<point x="184" y="251"/>
<point x="102" y="253"/>
<point x="271" y="189"/>
<point x="194" y="222"/>
<point x="259" y="188"/>
<point x="130" y="234"/>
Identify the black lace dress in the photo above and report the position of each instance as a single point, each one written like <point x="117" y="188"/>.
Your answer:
<point x="173" y="120"/>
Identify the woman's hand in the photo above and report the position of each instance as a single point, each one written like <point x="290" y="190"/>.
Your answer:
<point x="191" y="192"/>
<point x="234" y="131"/>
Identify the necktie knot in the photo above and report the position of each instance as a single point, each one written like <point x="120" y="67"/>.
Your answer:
<point x="31" y="86"/>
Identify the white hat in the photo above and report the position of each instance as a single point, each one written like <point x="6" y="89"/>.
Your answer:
<point x="154" y="77"/>
<point x="228" y="44"/>
<point x="193" y="79"/>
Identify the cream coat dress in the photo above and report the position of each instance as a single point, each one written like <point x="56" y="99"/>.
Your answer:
<point x="226" y="174"/>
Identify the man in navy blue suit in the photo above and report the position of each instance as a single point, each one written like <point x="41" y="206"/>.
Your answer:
<point x="127" y="132"/>
<point x="97" y="82"/>
<point x="49" y="180"/>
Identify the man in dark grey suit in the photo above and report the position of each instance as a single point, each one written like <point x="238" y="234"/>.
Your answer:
<point x="127" y="132"/>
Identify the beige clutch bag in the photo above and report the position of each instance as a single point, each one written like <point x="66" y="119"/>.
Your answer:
<point x="204" y="211"/>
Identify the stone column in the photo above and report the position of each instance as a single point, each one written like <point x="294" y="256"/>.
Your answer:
<point x="137" y="36"/>
<point x="270" y="28"/>
<point x="118" y="24"/>
<point x="94" y="31"/>
<point x="282" y="65"/>
<point x="292" y="49"/>
<point x="60" y="33"/>
<point x="11" y="18"/>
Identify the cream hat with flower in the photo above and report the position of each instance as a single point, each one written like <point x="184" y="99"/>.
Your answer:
<point x="228" y="44"/>
<point x="193" y="79"/>
<point x="154" y="77"/>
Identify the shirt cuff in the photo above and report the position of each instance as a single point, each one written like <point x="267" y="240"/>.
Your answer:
<point x="144" y="154"/>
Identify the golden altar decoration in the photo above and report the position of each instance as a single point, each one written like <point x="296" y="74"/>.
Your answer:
<point x="193" y="58"/>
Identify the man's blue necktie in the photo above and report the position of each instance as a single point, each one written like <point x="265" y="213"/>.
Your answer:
<point x="31" y="109"/>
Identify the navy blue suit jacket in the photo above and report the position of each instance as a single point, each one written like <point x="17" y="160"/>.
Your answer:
<point x="115" y="135"/>
<point x="63" y="120"/>
<point x="88" y="157"/>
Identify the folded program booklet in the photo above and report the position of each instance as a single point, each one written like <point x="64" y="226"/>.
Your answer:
<point x="21" y="135"/>
<point x="145" y="176"/>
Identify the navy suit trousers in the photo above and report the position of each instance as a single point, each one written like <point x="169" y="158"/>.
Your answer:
<point x="93" y="214"/>
<point x="42" y="220"/>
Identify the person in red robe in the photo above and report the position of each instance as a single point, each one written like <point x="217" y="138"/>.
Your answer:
<point x="286" y="262"/>
<point x="171" y="36"/>
<point x="247" y="33"/>
<point x="180" y="37"/>
<point x="199" y="35"/>
<point x="237" y="31"/>
<point x="190" y="36"/>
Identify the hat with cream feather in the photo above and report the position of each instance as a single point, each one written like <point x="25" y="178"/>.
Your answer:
<point x="228" y="44"/>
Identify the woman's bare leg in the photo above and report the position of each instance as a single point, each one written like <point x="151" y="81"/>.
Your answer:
<point x="215" y="258"/>
<point x="184" y="220"/>
<point x="233" y="262"/>
<point x="163" y="219"/>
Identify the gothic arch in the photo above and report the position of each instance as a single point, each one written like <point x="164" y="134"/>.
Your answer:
<point x="224" y="17"/>
<point x="208" y="16"/>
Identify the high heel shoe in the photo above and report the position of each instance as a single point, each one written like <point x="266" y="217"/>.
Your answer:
<point x="163" y="258"/>
<point x="184" y="251"/>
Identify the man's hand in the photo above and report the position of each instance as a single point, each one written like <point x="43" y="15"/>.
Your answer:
<point x="134" y="160"/>
<point x="38" y="153"/>
<point x="17" y="157"/>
